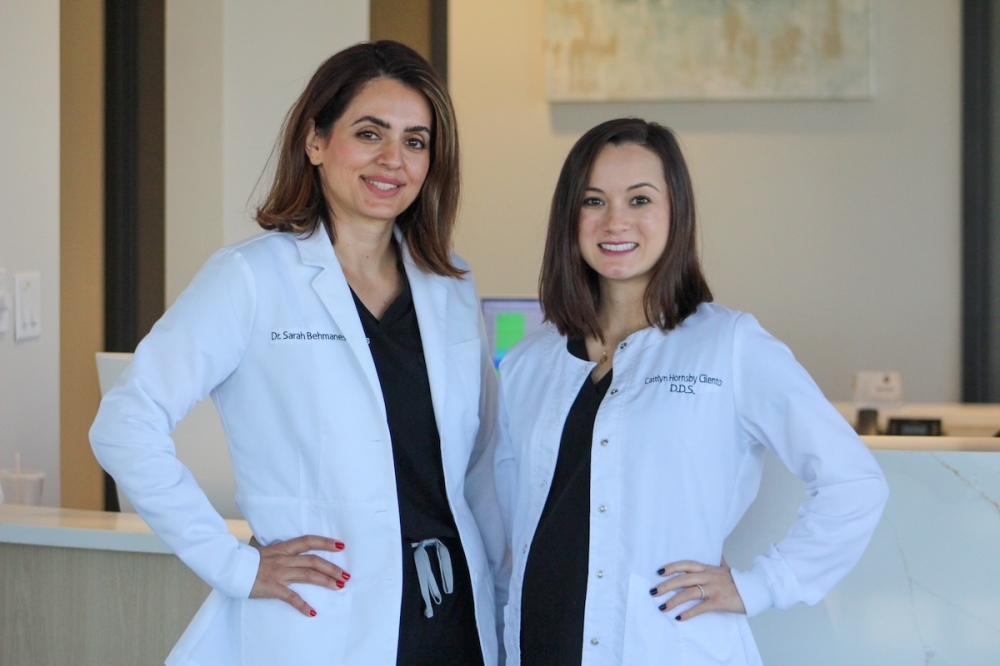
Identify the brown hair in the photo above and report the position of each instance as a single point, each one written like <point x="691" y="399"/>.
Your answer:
<point x="568" y="287"/>
<point x="296" y="203"/>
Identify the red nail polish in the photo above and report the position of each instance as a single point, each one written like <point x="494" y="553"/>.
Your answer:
<point x="345" y="575"/>
<point x="339" y="545"/>
<point x="340" y="583"/>
<point x="312" y="613"/>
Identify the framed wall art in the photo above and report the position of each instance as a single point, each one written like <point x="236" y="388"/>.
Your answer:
<point x="647" y="50"/>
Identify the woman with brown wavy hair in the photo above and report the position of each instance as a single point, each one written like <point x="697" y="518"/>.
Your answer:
<point x="345" y="353"/>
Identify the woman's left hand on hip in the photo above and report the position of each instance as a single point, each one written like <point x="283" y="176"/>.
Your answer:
<point x="711" y="587"/>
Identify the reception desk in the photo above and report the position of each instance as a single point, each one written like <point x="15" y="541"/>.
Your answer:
<point x="926" y="591"/>
<point x="88" y="587"/>
<point x="80" y="587"/>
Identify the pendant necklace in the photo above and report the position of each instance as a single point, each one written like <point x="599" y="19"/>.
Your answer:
<point x="604" y="348"/>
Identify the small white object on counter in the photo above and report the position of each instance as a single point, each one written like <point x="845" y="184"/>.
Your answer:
<point x="877" y="387"/>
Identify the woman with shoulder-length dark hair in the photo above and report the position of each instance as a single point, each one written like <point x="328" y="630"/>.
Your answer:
<point x="633" y="431"/>
<point x="346" y="356"/>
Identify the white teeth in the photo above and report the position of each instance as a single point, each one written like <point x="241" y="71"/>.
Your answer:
<point x="385" y="187"/>
<point x="618" y="247"/>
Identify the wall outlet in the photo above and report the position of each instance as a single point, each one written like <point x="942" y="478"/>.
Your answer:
<point x="5" y="303"/>
<point x="27" y="306"/>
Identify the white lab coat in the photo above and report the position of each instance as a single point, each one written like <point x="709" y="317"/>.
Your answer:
<point x="270" y="329"/>
<point x="677" y="456"/>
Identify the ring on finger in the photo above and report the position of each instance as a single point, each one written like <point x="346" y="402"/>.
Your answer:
<point x="702" y="591"/>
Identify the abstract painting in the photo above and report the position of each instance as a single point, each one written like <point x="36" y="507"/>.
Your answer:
<point x="611" y="50"/>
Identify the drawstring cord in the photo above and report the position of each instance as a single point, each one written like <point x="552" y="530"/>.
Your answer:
<point x="425" y="575"/>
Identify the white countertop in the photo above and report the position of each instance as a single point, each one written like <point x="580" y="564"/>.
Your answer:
<point x="962" y="420"/>
<point x="94" y="530"/>
<point x="908" y="443"/>
<point x="99" y="530"/>
<point x="966" y="426"/>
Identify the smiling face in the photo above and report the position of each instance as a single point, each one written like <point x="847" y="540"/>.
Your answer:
<point x="377" y="154"/>
<point x="625" y="216"/>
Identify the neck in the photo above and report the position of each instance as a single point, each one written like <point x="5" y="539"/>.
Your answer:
<point x="365" y="250"/>
<point x="622" y="311"/>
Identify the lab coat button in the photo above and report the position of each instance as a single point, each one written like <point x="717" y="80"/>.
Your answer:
<point x="602" y="508"/>
<point x="600" y="574"/>
<point x="623" y="345"/>
<point x="614" y="391"/>
<point x="604" y="442"/>
<point x="594" y="641"/>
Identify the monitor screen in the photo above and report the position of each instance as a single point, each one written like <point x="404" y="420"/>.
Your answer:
<point x="508" y="320"/>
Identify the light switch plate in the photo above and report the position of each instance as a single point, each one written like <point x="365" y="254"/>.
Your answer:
<point x="27" y="306"/>
<point x="5" y="302"/>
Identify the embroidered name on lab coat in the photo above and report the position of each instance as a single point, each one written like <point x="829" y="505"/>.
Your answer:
<point x="687" y="384"/>
<point x="306" y="335"/>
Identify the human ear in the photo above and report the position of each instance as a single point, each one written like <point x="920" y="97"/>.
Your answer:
<point x="314" y="145"/>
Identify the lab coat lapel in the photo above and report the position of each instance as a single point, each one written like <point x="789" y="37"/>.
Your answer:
<point x="430" y="300"/>
<point x="332" y="288"/>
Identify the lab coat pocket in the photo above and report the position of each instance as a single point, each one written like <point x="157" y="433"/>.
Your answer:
<point x="714" y="638"/>
<point x="272" y="632"/>
<point x="512" y="634"/>
<point x="651" y="636"/>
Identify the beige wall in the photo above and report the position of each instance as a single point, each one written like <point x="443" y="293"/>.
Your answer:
<point x="29" y="230"/>
<point x="234" y="67"/>
<point x="193" y="135"/>
<point x="81" y="239"/>
<point x="836" y="223"/>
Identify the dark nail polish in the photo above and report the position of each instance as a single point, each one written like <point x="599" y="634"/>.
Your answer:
<point x="340" y="583"/>
<point x="345" y="575"/>
<point x="663" y="607"/>
<point x="661" y="571"/>
<point x="312" y="613"/>
<point x="678" y="618"/>
<point x="652" y="592"/>
<point x="339" y="545"/>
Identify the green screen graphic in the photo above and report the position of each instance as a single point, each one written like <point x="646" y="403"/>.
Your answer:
<point x="509" y="331"/>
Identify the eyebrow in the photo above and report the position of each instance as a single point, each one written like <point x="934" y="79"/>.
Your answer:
<point x="384" y="125"/>
<point x="627" y="189"/>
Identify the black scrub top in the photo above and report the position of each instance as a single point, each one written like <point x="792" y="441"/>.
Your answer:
<point x="554" y="590"/>
<point x="451" y="635"/>
<point x="398" y="352"/>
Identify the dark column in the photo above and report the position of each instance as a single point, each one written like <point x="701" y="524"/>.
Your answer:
<point x="439" y="37"/>
<point x="980" y="201"/>
<point x="134" y="176"/>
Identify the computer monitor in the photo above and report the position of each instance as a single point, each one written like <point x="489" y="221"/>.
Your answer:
<point x="508" y="321"/>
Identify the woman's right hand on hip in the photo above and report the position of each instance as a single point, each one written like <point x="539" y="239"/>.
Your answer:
<point x="283" y="563"/>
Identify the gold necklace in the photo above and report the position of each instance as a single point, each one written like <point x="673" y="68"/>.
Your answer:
<point x="604" y="348"/>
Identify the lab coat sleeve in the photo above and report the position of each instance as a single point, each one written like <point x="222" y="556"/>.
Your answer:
<point x="780" y="406"/>
<point x="194" y="347"/>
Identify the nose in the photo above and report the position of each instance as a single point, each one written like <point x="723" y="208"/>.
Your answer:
<point x="391" y="155"/>
<point x="616" y="220"/>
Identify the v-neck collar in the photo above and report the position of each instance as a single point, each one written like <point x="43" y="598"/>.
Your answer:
<point x="394" y="309"/>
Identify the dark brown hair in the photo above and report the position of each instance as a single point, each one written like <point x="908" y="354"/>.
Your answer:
<point x="569" y="288"/>
<point x="296" y="203"/>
